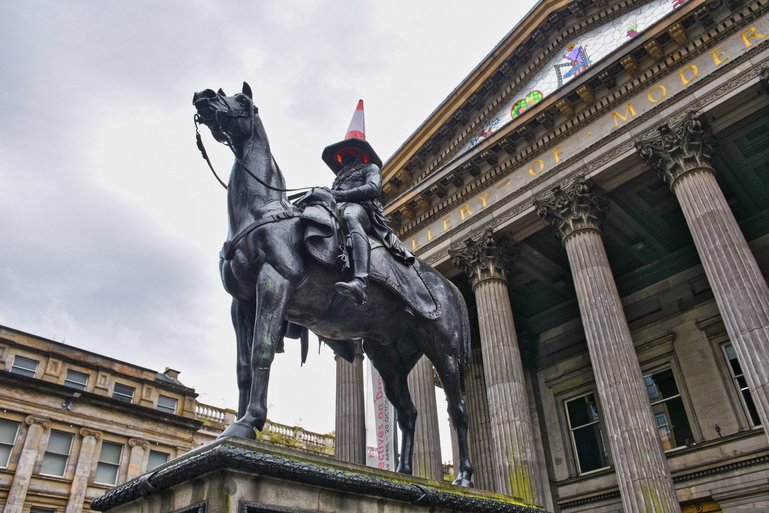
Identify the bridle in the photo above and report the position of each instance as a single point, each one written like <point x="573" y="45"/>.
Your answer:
<point x="232" y="113"/>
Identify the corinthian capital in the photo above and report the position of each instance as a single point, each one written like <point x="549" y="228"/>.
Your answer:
<point x="484" y="258"/>
<point x="572" y="208"/>
<point x="678" y="148"/>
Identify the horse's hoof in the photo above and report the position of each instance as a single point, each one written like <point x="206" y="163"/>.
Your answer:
<point x="239" y="430"/>
<point x="403" y="469"/>
<point x="461" y="481"/>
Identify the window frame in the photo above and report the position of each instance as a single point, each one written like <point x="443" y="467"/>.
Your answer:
<point x="736" y="386"/>
<point x="48" y="451"/>
<point x="670" y="365"/>
<point x="101" y="463"/>
<point x="76" y="385"/>
<point x="149" y="459"/>
<point x="11" y="446"/>
<point x="570" y="432"/>
<point x="23" y="371"/>
<point x="165" y="408"/>
<point x="122" y="397"/>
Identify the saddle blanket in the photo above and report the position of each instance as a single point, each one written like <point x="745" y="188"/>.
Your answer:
<point x="409" y="282"/>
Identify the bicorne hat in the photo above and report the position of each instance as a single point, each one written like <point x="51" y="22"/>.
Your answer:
<point x="354" y="143"/>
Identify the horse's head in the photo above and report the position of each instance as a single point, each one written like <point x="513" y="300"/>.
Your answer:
<point x="232" y="119"/>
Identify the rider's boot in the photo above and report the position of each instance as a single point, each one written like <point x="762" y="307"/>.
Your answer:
<point x="357" y="288"/>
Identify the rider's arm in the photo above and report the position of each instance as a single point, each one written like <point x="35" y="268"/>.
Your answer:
<point x="368" y="191"/>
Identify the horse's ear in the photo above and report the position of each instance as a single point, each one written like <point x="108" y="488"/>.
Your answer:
<point x="247" y="90"/>
<point x="220" y="92"/>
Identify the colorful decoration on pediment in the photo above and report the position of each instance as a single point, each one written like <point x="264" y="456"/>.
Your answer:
<point x="632" y="30"/>
<point x="577" y="62"/>
<point x="576" y="57"/>
<point x="522" y="106"/>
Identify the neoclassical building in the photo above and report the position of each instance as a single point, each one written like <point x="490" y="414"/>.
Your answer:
<point x="598" y="187"/>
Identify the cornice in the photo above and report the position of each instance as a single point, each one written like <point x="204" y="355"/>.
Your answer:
<point x="427" y="147"/>
<point x="697" y="46"/>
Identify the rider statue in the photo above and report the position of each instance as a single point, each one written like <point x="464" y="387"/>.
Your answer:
<point x="357" y="189"/>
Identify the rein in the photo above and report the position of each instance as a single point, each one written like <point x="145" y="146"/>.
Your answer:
<point x="231" y="146"/>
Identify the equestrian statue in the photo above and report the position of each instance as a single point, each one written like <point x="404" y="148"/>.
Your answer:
<point x="329" y="264"/>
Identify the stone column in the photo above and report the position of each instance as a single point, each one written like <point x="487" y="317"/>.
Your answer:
<point x="29" y="454"/>
<point x="85" y="463"/>
<point x="481" y="450"/>
<point x="484" y="260"/>
<point x="139" y="448"/>
<point x="350" y="439"/>
<point x="681" y="155"/>
<point x="644" y="479"/>
<point x="427" y="439"/>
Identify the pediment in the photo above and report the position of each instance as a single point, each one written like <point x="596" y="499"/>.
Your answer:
<point x="548" y="69"/>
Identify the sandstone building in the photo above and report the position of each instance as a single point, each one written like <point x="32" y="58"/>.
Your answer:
<point x="598" y="186"/>
<point x="73" y="424"/>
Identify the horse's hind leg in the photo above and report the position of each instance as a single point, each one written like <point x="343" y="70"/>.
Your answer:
<point x="448" y="370"/>
<point x="397" y="391"/>
<point x="394" y="374"/>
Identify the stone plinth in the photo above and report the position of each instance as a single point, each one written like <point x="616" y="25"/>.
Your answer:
<point x="237" y="475"/>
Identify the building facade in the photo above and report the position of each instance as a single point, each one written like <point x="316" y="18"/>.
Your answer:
<point x="73" y="424"/>
<point x="598" y="187"/>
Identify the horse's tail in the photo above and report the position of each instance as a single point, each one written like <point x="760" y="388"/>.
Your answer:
<point x="464" y="344"/>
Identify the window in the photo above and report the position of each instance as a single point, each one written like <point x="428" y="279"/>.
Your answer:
<point x="24" y="366"/>
<point x="668" y="409"/>
<point x="8" y="432"/>
<point x="123" y="393"/>
<point x="35" y="509"/>
<point x="167" y="404"/>
<point x="742" y="385"/>
<point x="56" y="454"/>
<point x="587" y="433"/>
<point x="156" y="459"/>
<point x="76" y="379"/>
<point x="109" y="463"/>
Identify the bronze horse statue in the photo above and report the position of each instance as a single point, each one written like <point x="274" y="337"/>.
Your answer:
<point x="275" y="282"/>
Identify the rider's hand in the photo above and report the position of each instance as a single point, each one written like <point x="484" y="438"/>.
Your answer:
<point x="339" y="195"/>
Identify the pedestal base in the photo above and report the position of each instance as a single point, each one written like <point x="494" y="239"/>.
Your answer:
<point x="237" y="475"/>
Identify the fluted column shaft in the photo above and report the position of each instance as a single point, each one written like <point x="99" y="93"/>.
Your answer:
<point x="642" y="471"/>
<point x="23" y="474"/>
<point x="83" y="469"/>
<point x="509" y="420"/>
<point x="681" y="153"/>
<point x="427" y="442"/>
<point x="481" y="450"/>
<point x="350" y="439"/>
<point x="739" y="287"/>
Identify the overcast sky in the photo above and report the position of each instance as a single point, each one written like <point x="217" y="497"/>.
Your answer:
<point x="110" y="221"/>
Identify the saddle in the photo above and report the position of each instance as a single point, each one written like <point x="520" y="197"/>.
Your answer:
<point x="408" y="282"/>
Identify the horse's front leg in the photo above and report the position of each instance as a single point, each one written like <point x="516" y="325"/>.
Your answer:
<point x="243" y="320"/>
<point x="272" y="295"/>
